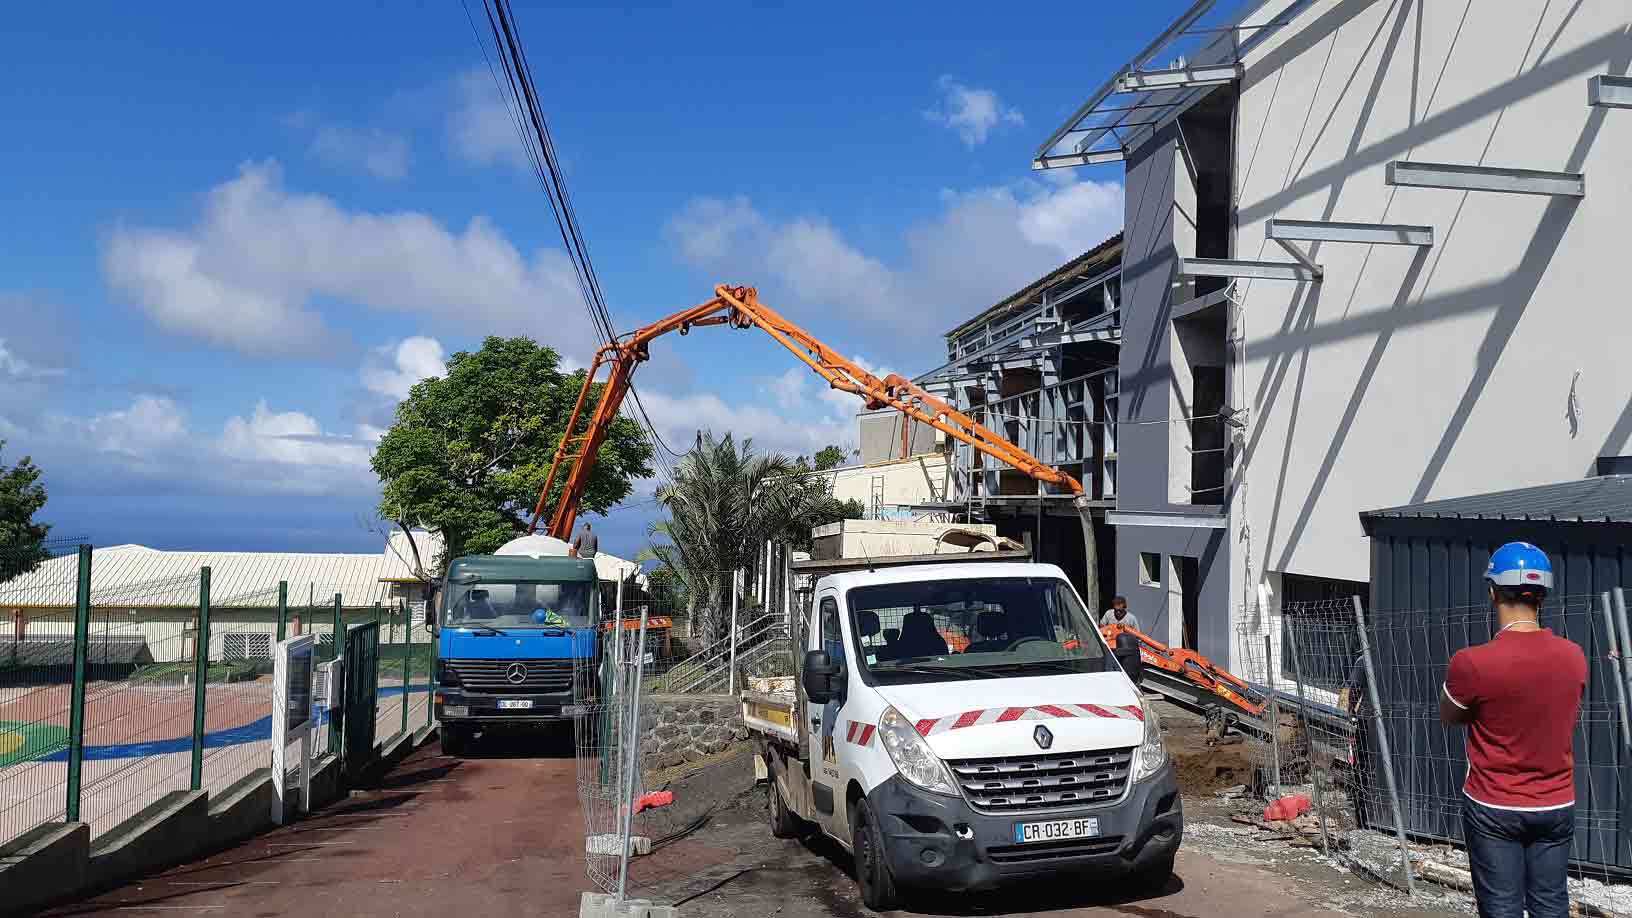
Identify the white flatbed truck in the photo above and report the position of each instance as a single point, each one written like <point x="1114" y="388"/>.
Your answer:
<point x="962" y="726"/>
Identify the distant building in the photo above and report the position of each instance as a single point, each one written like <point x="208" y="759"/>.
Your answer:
<point x="142" y="595"/>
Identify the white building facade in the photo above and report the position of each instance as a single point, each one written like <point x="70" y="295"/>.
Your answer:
<point x="1369" y="255"/>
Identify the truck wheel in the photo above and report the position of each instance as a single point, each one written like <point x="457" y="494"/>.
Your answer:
<point x="783" y="823"/>
<point x="873" y="873"/>
<point x="455" y="739"/>
<point x="1152" y="879"/>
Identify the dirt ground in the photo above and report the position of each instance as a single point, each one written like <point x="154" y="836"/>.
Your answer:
<point x="502" y="834"/>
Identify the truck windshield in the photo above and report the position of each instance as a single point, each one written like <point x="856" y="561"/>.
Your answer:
<point x="521" y="604"/>
<point x="974" y="629"/>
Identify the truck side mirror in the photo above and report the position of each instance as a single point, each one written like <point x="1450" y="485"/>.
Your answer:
<point x="1127" y="655"/>
<point x="820" y="674"/>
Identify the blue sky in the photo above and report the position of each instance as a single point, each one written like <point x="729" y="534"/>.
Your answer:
<point x="235" y="239"/>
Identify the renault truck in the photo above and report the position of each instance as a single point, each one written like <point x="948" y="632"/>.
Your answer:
<point x="960" y="726"/>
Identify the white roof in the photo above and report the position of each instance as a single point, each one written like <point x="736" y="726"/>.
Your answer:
<point x="399" y="554"/>
<point x="135" y="576"/>
<point x="608" y="567"/>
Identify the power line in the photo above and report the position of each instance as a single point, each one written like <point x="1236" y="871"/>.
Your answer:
<point x="532" y="128"/>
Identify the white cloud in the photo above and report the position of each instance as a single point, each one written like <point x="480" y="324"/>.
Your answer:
<point x="291" y="438"/>
<point x="380" y="153"/>
<point x="985" y="244"/>
<point x="971" y="112"/>
<point x="247" y="275"/>
<point x="480" y="127"/>
<point x="152" y="446"/>
<point x="393" y="369"/>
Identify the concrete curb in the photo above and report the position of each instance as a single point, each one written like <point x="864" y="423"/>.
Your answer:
<point x="606" y="905"/>
<point x="56" y="862"/>
<point x="43" y="865"/>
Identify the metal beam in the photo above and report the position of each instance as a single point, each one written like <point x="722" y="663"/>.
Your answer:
<point x="1084" y="336"/>
<point x="1609" y="91"/>
<point x="1301" y="257"/>
<point x="1079" y="159"/>
<point x="1327" y="231"/>
<point x="1180" y="520"/>
<point x="1262" y="270"/>
<point x="1486" y="178"/>
<point x="1180" y="77"/>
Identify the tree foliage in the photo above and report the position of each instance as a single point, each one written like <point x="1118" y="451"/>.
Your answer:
<point x="469" y="451"/>
<point x="22" y="540"/>
<point x="724" y="502"/>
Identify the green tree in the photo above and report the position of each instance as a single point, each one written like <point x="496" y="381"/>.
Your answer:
<point x="723" y="503"/>
<point x="22" y="540"/>
<point x="469" y="451"/>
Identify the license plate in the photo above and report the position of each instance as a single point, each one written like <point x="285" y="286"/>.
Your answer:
<point x="455" y="710"/>
<point x="574" y="710"/>
<point x="515" y="704"/>
<point x="1056" y="830"/>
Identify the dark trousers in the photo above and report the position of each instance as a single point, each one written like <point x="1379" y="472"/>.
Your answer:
<point x="1520" y="860"/>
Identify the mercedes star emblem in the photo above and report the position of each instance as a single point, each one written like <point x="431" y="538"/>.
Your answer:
<point x="1044" y="738"/>
<point x="517" y="674"/>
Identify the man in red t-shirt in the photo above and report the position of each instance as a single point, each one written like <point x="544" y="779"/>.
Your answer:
<point x="1519" y="696"/>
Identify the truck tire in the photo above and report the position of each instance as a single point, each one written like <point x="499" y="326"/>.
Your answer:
<point x="1153" y="879"/>
<point x="784" y="824"/>
<point x="873" y="874"/>
<point x="455" y="739"/>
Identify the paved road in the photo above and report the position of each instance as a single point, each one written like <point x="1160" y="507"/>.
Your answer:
<point x="449" y="838"/>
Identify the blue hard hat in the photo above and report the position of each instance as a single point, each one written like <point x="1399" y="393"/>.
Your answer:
<point x="1520" y="564"/>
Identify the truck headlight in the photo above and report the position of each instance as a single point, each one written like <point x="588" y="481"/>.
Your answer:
<point x="1152" y="753"/>
<point x="911" y="755"/>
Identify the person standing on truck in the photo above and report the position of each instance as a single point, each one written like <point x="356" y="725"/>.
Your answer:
<point x="1118" y="614"/>
<point x="586" y="544"/>
<point x="1519" y="696"/>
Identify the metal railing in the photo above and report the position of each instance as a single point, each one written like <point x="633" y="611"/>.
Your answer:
<point x="712" y="666"/>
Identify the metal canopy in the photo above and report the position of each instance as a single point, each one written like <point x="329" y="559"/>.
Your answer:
<point x="1201" y="49"/>
<point x="1610" y="91"/>
<point x="1487" y="178"/>
<point x="1328" y="231"/>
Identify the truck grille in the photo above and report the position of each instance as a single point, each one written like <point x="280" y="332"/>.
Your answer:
<point x="541" y="677"/>
<point x="1056" y="780"/>
<point x="1049" y="851"/>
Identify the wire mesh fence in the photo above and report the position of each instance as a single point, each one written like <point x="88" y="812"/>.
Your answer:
<point x="174" y="688"/>
<point x="607" y="689"/>
<point x="1358" y="735"/>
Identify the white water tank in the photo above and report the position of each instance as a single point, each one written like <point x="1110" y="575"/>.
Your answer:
<point x="535" y="546"/>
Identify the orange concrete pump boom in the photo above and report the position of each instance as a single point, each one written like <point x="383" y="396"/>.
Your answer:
<point x="740" y="307"/>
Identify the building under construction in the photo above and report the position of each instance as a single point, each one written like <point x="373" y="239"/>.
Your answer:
<point x="1361" y="267"/>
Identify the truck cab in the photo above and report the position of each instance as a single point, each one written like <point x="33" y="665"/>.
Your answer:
<point x="961" y="726"/>
<point x="515" y="637"/>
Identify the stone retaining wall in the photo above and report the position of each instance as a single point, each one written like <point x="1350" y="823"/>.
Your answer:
<point x="676" y="729"/>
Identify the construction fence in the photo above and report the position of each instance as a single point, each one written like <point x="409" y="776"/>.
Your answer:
<point x="117" y="690"/>
<point x="1353" y="697"/>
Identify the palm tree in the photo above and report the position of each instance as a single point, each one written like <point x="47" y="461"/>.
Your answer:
<point x="723" y="503"/>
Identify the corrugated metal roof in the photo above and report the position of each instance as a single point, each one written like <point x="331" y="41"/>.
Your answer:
<point x="399" y="555"/>
<point x="1606" y="499"/>
<point x="1108" y="251"/>
<point x="135" y="576"/>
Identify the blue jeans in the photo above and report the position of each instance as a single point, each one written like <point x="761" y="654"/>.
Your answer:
<point x="1520" y="860"/>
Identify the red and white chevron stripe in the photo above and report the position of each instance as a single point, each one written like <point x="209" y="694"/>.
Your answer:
<point x="936" y="725"/>
<point x="859" y="733"/>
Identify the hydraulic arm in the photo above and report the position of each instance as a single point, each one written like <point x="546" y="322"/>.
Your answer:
<point x="739" y="307"/>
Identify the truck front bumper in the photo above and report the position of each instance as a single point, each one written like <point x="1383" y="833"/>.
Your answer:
<point x="938" y="841"/>
<point x="455" y="706"/>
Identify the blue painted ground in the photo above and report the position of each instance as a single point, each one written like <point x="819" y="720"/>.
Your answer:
<point x="255" y="731"/>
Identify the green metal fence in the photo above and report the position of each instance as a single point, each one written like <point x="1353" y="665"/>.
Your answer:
<point x="122" y="678"/>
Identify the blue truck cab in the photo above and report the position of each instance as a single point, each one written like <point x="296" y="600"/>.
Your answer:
<point x="516" y="635"/>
